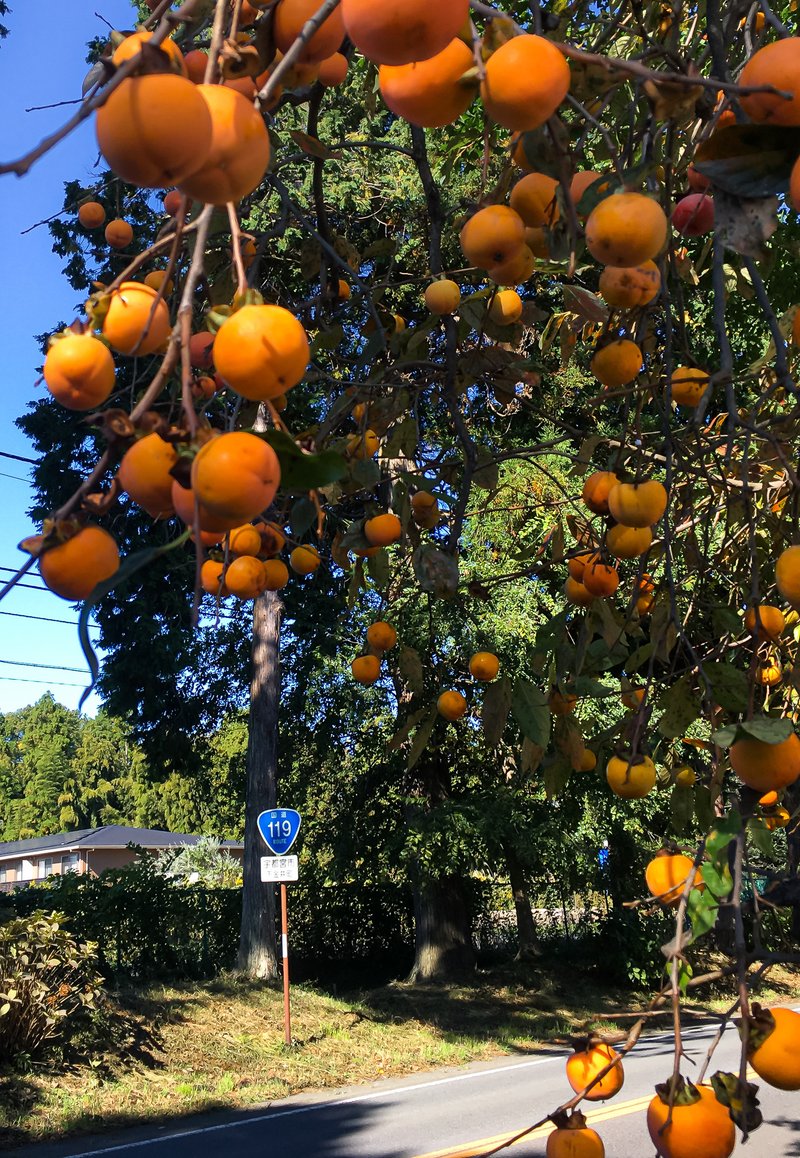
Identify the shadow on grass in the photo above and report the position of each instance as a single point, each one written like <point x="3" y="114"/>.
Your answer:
<point x="326" y="1130"/>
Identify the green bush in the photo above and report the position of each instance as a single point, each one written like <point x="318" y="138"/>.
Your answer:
<point x="144" y="925"/>
<point x="47" y="978"/>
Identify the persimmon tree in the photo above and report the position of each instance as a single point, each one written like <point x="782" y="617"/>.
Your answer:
<point x="487" y="322"/>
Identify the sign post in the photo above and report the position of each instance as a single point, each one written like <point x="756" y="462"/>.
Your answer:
<point x="279" y="828"/>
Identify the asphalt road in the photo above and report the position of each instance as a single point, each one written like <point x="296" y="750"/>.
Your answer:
<point x="449" y="1114"/>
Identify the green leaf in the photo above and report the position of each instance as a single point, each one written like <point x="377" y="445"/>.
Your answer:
<point x="729" y="684"/>
<point x="724" y="737"/>
<point x="529" y="706"/>
<point x="749" y="160"/>
<point x="366" y="473"/>
<point x="436" y="571"/>
<point x="410" y="665"/>
<point x="701" y="909"/>
<point x="487" y="472"/>
<point x="638" y="657"/>
<point x="724" y="831"/>
<point x="681" y="809"/>
<point x="301" y="471"/>
<point x="421" y="738"/>
<point x="768" y="729"/>
<point x="702" y="805"/>
<point x="680" y="707"/>
<point x="588" y="686"/>
<point x="717" y="878"/>
<point x="552" y="633"/>
<point x="379" y="569"/>
<point x="496" y="706"/>
<point x="556" y="773"/>
<point x="685" y="974"/>
<point x="302" y="517"/>
<point x="761" y="838"/>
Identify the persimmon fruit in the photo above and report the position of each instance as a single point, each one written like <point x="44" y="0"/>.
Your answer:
<point x="261" y="351"/>
<point x="236" y="475"/>
<point x="765" y="621"/>
<point x="700" y="1129"/>
<point x="637" y="504"/>
<point x="244" y="577"/>
<point x="534" y="199"/>
<point x="506" y="307"/>
<point x="276" y="574"/>
<point x="154" y="130"/>
<point x="443" y="296"/>
<point x="238" y="153"/>
<point x="451" y="705"/>
<point x="617" y="363"/>
<point x="776" y="1054"/>
<point x="631" y="779"/>
<point x="787" y="575"/>
<point x="144" y="474"/>
<point x="688" y="385"/>
<point x="584" y="1065"/>
<point x="492" y="236"/>
<point x="73" y="569"/>
<point x="79" y="371"/>
<point x="289" y="17"/>
<point x="137" y="321"/>
<point x="381" y="635"/>
<point x="525" y="81"/>
<point x="382" y="530"/>
<point x="630" y="287"/>
<point x="403" y="33"/>
<point x="91" y="215"/>
<point x="666" y="875"/>
<point x="430" y="93"/>
<point x="626" y="229"/>
<point x="484" y="665"/>
<point x="628" y="542"/>
<point x="778" y="65"/>
<point x="304" y="560"/>
<point x="596" y="490"/>
<point x="366" y="669"/>
<point x="766" y="767"/>
<point x="119" y="233"/>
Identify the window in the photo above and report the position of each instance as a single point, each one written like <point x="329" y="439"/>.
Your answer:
<point x="46" y="867"/>
<point x="7" y="873"/>
<point x="69" y="863"/>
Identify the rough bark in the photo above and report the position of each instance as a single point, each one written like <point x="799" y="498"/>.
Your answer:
<point x="791" y="802"/>
<point x="527" y="942"/>
<point x="443" y="949"/>
<point x="258" y="953"/>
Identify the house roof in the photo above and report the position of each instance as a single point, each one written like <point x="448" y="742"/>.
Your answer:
<point x="109" y="836"/>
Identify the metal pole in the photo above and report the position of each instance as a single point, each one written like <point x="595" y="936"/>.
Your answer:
<point x="287" y="1012"/>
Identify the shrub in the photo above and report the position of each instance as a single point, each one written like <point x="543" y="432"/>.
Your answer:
<point x="47" y="979"/>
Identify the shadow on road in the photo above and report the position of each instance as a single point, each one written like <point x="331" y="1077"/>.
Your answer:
<point x="325" y="1130"/>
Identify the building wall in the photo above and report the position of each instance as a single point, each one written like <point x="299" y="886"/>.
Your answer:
<point x="23" y="870"/>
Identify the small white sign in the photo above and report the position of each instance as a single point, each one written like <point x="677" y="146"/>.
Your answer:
<point x="279" y="868"/>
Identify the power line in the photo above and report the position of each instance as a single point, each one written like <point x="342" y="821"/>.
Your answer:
<point x="18" y="477"/>
<point x="42" y="683"/>
<point x="18" y="457"/>
<point x="50" y="666"/>
<point x="47" y="619"/>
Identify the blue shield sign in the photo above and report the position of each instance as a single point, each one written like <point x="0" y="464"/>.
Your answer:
<point x="279" y="828"/>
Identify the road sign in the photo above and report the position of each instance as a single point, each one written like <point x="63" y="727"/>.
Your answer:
<point x="279" y="868"/>
<point x="279" y="828"/>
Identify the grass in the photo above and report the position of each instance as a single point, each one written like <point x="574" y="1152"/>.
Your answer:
<point x="174" y="1050"/>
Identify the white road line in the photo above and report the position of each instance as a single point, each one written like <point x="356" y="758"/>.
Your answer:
<point x="314" y="1107"/>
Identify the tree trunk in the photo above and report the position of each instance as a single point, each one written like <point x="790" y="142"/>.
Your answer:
<point x="258" y="952"/>
<point x="442" y="934"/>
<point x="528" y="943"/>
<point x="791" y="801"/>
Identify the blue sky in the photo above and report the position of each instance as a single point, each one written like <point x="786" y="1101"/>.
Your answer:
<point x="42" y="61"/>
